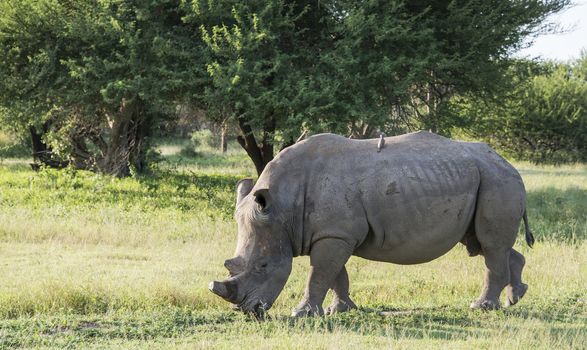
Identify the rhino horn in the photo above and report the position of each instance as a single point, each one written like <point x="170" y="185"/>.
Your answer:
<point x="219" y="288"/>
<point x="234" y="265"/>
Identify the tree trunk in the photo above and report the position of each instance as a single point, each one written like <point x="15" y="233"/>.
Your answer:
<point x="42" y="153"/>
<point x="261" y="154"/>
<point x="80" y="157"/>
<point x="267" y="142"/>
<point x="40" y="149"/>
<point x="126" y="149"/>
<point x="223" y="137"/>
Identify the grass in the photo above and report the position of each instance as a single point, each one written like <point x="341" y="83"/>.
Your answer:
<point x="89" y="261"/>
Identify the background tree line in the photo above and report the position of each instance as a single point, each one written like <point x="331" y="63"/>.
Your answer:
<point x="90" y="82"/>
<point x="541" y="115"/>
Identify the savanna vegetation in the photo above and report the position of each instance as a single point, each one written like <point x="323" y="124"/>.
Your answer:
<point x="91" y="83"/>
<point x="125" y="125"/>
<point x="94" y="261"/>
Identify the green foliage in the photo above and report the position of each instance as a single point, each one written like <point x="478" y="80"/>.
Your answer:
<point x="400" y="62"/>
<point x="542" y="117"/>
<point x="199" y="141"/>
<point x="12" y="147"/>
<point x="99" y="75"/>
<point x="282" y="66"/>
<point x="204" y="138"/>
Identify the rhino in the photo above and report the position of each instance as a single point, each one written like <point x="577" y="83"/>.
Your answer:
<point x="408" y="202"/>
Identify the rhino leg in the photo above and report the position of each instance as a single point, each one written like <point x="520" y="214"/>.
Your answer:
<point x="327" y="259"/>
<point x="342" y="301"/>
<point x="497" y="276"/>
<point x="516" y="289"/>
<point x="500" y="205"/>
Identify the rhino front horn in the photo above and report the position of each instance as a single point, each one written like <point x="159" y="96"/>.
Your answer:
<point x="218" y="288"/>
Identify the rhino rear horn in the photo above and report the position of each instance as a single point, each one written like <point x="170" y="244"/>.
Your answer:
<point x="234" y="265"/>
<point x="243" y="188"/>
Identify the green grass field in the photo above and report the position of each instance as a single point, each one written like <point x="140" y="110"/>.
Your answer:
<point x="90" y="261"/>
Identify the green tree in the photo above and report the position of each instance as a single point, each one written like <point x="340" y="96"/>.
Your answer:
<point x="263" y="68"/>
<point x="279" y="67"/>
<point x="96" y="76"/>
<point x="542" y="117"/>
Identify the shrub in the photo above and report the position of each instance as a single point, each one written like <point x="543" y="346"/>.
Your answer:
<point x="541" y="118"/>
<point x="11" y="147"/>
<point x="203" y="139"/>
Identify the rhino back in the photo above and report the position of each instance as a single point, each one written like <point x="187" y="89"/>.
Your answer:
<point x="409" y="203"/>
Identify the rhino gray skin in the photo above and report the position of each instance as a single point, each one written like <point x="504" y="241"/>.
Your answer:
<point x="331" y="197"/>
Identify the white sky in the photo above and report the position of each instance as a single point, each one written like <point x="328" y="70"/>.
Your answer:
<point x="563" y="46"/>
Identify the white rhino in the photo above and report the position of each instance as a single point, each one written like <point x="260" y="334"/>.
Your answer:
<point x="408" y="203"/>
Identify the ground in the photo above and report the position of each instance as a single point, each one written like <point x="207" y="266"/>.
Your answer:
<point x="89" y="261"/>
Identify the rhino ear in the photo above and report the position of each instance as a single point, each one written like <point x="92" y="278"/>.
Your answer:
<point x="243" y="188"/>
<point x="263" y="198"/>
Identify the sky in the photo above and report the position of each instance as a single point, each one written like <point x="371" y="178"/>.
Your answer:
<point x="563" y="46"/>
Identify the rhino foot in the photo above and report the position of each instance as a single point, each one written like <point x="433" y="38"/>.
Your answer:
<point x="305" y="309"/>
<point x="485" y="304"/>
<point x="515" y="293"/>
<point x="338" y="305"/>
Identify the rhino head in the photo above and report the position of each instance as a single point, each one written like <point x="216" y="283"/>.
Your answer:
<point x="263" y="257"/>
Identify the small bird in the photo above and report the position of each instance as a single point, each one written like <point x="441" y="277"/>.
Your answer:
<point x="381" y="143"/>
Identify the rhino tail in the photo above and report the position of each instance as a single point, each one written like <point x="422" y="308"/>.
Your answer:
<point x="529" y="236"/>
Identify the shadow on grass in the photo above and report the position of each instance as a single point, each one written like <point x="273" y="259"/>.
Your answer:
<point x="441" y="323"/>
<point x="437" y="323"/>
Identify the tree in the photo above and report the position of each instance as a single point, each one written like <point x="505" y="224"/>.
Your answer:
<point x="95" y="75"/>
<point x="262" y="67"/>
<point x="472" y="42"/>
<point x="543" y="115"/>
<point x="280" y="67"/>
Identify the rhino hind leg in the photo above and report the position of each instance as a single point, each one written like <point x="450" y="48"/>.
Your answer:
<point x="497" y="276"/>
<point x="342" y="301"/>
<point x="497" y="218"/>
<point x="516" y="289"/>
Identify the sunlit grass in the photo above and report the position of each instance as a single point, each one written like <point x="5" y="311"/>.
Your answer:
<point x="90" y="261"/>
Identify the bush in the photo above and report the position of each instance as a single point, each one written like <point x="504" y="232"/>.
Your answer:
<point x="203" y="139"/>
<point x="543" y="118"/>
<point x="188" y="151"/>
<point x="11" y="147"/>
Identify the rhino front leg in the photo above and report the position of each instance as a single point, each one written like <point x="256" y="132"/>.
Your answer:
<point x="342" y="301"/>
<point x="327" y="259"/>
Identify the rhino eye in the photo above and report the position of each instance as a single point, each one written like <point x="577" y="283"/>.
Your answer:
<point x="262" y="266"/>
